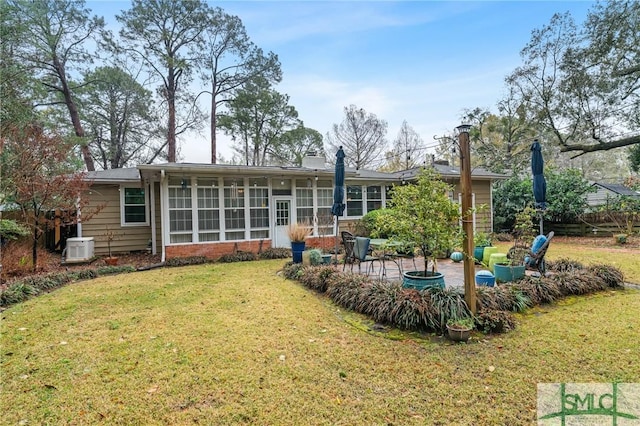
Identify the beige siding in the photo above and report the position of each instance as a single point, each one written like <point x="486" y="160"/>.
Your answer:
<point x="482" y="191"/>
<point x="128" y="238"/>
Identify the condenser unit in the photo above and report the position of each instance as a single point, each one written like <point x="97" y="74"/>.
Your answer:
<point x="79" y="249"/>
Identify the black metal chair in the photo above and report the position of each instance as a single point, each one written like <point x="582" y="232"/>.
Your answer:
<point x="348" y="241"/>
<point x="361" y="254"/>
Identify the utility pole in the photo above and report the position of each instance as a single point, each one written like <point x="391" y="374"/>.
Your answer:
<point x="467" y="217"/>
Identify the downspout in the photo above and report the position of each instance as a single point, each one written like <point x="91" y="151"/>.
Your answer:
<point x="79" y="222"/>
<point x="162" y="212"/>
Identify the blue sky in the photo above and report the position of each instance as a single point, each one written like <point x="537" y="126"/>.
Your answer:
<point x="420" y="61"/>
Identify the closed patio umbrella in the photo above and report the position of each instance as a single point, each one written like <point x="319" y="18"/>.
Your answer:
<point x="337" y="209"/>
<point x="539" y="183"/>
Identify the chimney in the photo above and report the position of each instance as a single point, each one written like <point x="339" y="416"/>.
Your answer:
<point x="313" y="161"/>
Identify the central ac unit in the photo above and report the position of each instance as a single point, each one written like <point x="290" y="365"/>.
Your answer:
<point x="79" y="249"/>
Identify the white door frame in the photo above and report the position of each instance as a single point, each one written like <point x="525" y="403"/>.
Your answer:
<point x="281" y="221"/>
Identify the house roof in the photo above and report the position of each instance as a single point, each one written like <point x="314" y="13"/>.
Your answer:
<point x="153" y="171"/>
<point x="618" y="189"/>
<point x="114" y="175"/>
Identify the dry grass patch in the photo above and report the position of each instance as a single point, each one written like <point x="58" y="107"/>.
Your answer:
<point x="238" y="344"/>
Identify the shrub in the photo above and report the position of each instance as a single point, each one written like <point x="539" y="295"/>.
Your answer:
<point x="275" y="253"/>
<point x="539" y="290"/>
<point x="316" y="277"/>
<point x="346" y="289"/>
<point x="111" y="270"/>
<point x="238" y="256"/>
<point x="414" y="310"/>
<point x="503" y="237"/>
<point x="507" y="297"/>
<point x="611" y="275"/>
<point x="185" y="261"/>
<point x="447" y="303"/>
<point x="315" y="257"/>
<point x="292" y="271"/>
<point x="17" y="292"/>
<point x="564" y="265"/>
<point x="620" y="239"/>
<point x="494" y="321"/>
<point x="379" y="300"/>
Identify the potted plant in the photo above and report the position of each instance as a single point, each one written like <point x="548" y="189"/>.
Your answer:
<point x="423" y="214"/>
<point x="110" y="235"/>
<point x="481" y="240"/>
<point x="524" y="230"/>
<point x="459" y="329"/>
<point x="297" y="233"/>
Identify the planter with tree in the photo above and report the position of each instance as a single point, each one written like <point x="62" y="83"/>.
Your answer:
<point x="424" y="215"/>
<point x="297" y="233"/>
<point x="110" y="235"/>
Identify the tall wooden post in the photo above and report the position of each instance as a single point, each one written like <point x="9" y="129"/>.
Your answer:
<point x="467" y="217"/>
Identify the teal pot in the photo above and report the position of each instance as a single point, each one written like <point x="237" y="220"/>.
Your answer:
<point x="419" y="281"/>
<point x="478" y="252"/>
<point x="326" y="259"/>
<point x="506" y="273"/>
<point x="297" y="248"/>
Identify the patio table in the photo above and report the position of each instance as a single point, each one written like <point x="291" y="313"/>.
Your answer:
<point x="388" y="248"/>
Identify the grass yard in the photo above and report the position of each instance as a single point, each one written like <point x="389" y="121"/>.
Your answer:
<point x="239" y="344"/>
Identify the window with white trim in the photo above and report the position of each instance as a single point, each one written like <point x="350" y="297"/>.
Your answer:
<point x="304" y="201"/>
<point x="259" y="208"/>
<point x="354" y="200"/>
<point x="180" y="214"/>
<point x="208" y="210"/>
<point x="234" y="215"/>
<point x="134" y="207"/>
<point x="325" y="202"/>
<point x="374" y="198"/>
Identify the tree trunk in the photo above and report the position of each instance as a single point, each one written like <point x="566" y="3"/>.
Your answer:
<point x="73" y="112"/>
<point x="34" y="247"/>
<point x="171" y="125"/>
<point x="213" y="126"/>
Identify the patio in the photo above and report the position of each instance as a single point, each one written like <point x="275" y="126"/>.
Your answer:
<point x="453" y="272"/>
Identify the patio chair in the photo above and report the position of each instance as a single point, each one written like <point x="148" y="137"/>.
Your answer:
<point x="361" y="254"/>
<point x="348" y="241"/>
<point x="533" y="257"/>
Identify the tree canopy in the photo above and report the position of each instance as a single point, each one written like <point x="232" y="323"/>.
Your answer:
<point x="362" y="136"/>
<point x="583" y="84"/>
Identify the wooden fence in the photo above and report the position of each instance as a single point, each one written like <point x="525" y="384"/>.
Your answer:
<point x="588" y="229"/>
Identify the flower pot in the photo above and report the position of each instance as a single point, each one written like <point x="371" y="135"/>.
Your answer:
<point x="458" y="334"/>
<point x="477" y="253"/>
<point x="419" y="281"/>
<point x="507" y="273"/>
<point x="296" y="249"/>
<point x="326" y="259"/>
<point x="111" y="261"/>
<point x="456" y="256"/>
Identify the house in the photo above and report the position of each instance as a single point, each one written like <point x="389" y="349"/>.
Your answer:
<point x="182" y="209"/>
<point x="606" y="193"/>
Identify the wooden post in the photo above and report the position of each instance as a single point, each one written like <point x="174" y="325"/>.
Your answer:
<point x="467" y="217"/>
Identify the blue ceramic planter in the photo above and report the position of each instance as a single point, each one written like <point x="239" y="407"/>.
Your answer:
<point x="418" y="281"/>
<point x="296" y="249"/>
<point x="506" y="273"/>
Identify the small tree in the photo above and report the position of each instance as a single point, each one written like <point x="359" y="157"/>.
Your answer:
<point x="37" y="176"/>
<point x="424" y="214"/>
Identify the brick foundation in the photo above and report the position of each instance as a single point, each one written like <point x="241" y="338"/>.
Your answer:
<point x="214" y="251"/>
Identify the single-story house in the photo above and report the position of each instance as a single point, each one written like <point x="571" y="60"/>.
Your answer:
<point x="181" y="209"/>
<point x="607" y="192"/>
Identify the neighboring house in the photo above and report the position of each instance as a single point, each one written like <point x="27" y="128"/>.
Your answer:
<point x="608" y="192"/>
<point x="202" y="209"/>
